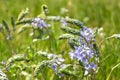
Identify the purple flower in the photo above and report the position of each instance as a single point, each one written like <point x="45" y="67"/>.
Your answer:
<point x="56" y="63"/>
<point x="3" y="63"/>
<point x="88" y="67"/>
<point x="79" y="54"/>
<point x="87" y="33"/>
<point x="84" y="53"/>
<point x="54" y="67"/>
<point x="90" y="53"/>
<point x="84" y="60"/>
<point x="92" y="66"/>
<point x="63" y="22"/>
<point x="37" y="22"/>
<point x="71" y="55"/>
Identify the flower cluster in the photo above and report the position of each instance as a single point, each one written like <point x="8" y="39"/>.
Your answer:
<point x="37" y="22"/>
<point x="57" y="63"/>
<point x="84" y="53"/>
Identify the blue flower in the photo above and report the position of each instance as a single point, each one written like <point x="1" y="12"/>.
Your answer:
<point x="87" y="33"/>
<point x="56" y="63"/>
<point x="37" y="22"/>
<point x="92" y="66"/>
<point x="3" y="63"/>
<point x="63" y="22"/>
<point x="90" y="53"/>
<point x="54" y="67"/>
<point x="84" y="53"/>
<point x="88" y="67"/>
<point x="80" y="54"/>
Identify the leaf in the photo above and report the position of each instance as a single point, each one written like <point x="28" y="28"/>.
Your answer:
<point x="117" y="36"/>
<point x="113" y="68"/>
<point x="40" y="66"/>
<point x="13" y="23"/>
<point x="66" y="36"/>
<point x="68" y="20"/>
<point x="73" y="42"/>
<point x="23" y="14"/>
<point x="75" y="22"/>
<point x="70" y="30"/>
<point x="64" y="68"/>
<point x="24" y="21"/>
<point x="15" y="58"/>
<point x="0" y="27"/>
<point x="23" y="28"/>
<point x="6" y="26"/>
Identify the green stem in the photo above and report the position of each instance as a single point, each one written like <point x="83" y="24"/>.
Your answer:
<point x="112" y="71"/>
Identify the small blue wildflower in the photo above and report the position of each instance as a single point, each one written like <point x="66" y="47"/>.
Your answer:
<point x="90" y="53"/>
<point x="92" y="66"/>
<point x="37" y="22"/>
<point x="71" y="55"/>
<point x="57" y="62"/>
<point x="3" y="62"/>
<point x="54" y="67"/>
<point x="82" y="41"/>
<point x="87" y="33"/>
<point x="88" y="67"/>
<point x="63" y="22"/>
<point x="84" y="60"/>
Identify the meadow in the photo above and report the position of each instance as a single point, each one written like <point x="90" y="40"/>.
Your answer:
<point x="101" y="14"/>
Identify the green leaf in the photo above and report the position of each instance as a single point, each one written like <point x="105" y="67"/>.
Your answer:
<point x="70" y="30"/>
<point x="40" y="66"/>
<point x="23" y="28"/>
<point x="113" y="68"/>
<point x="73" y="42"/>
<point x="24" y="21"/>
<point x="23" y="14"/>
<point x="66" y="36"/>
<point x="117" y="36"/>
<point x="6" y="26"/>
<point x="13" y="23"/>
<point x="15" y="58"/>
<point x="1" y="27"/>
<point x="64" y="68"/>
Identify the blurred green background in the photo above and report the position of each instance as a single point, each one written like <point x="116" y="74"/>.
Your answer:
<point x="94" y="13"/>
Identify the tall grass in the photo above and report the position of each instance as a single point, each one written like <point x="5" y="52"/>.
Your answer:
<point x="100" y="13"/>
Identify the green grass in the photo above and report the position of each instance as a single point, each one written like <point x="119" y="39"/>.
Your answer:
<point x="101" y="13"/>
